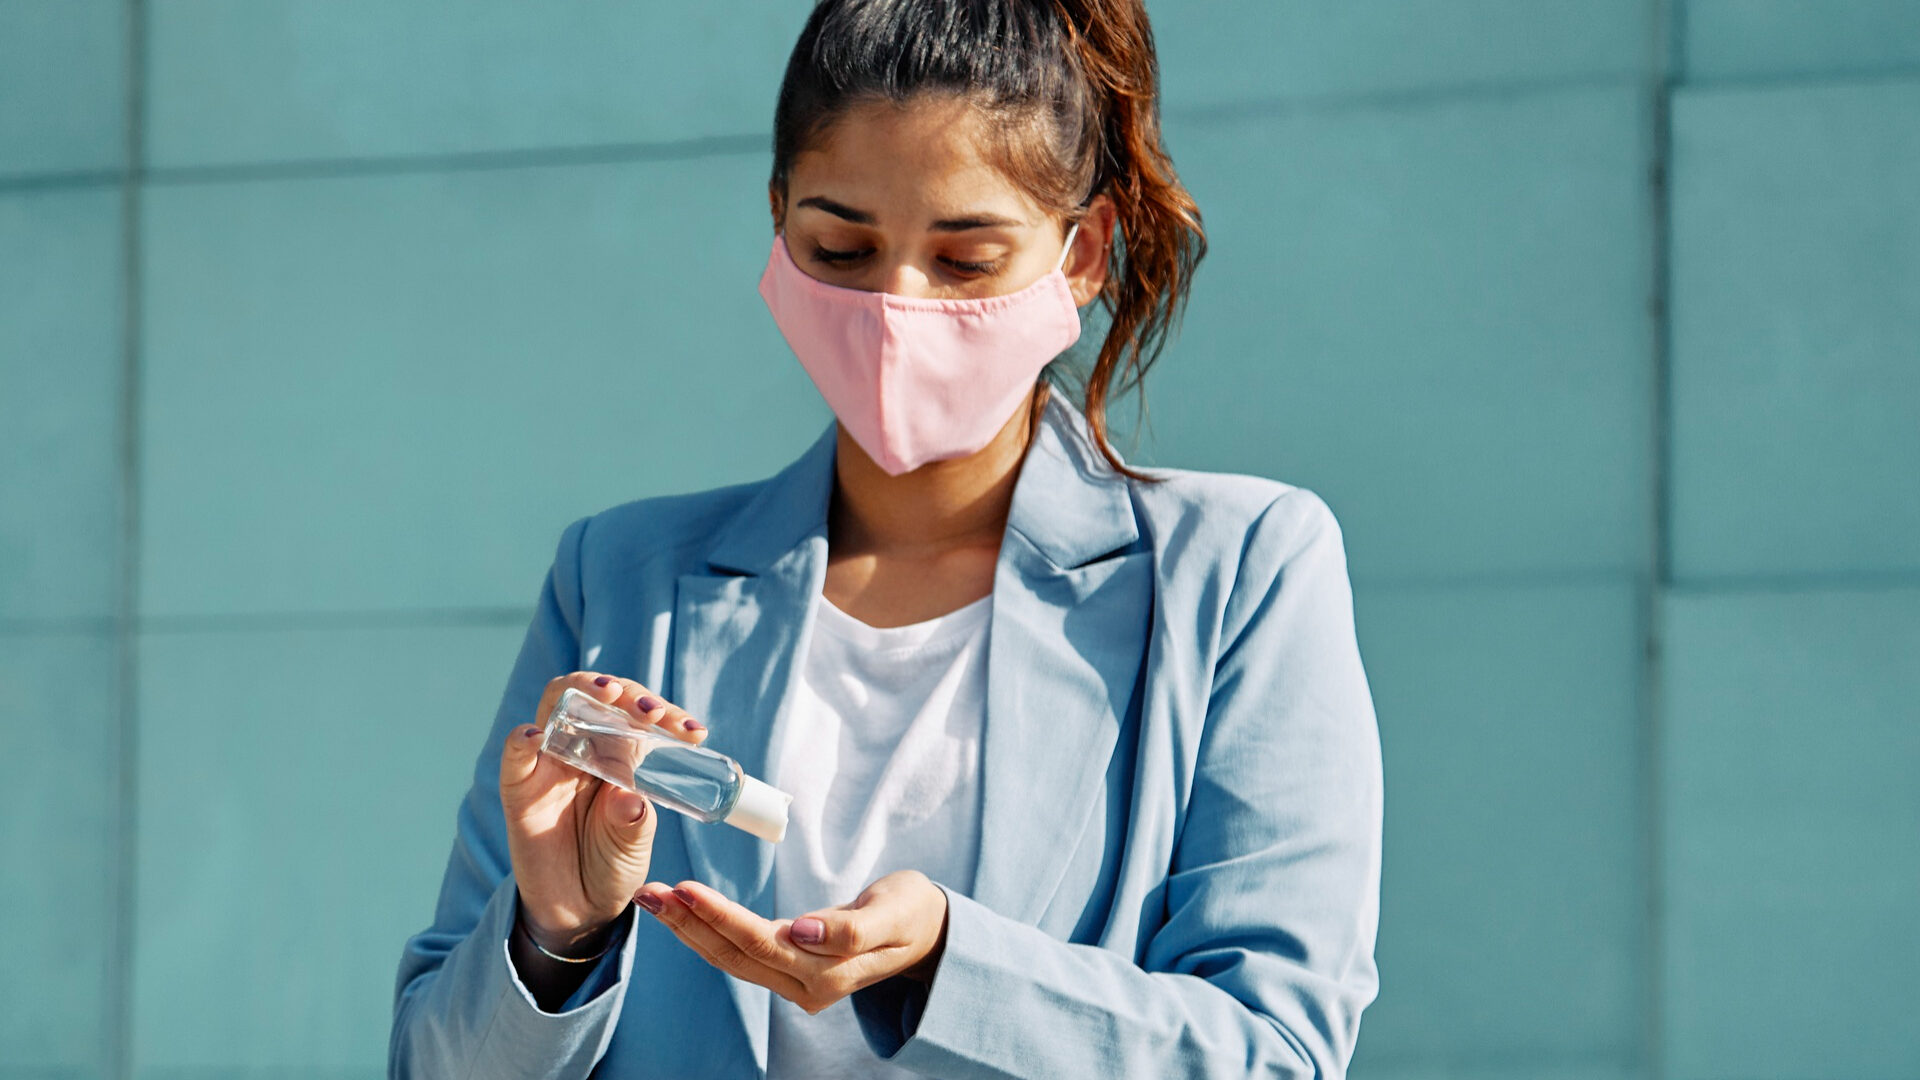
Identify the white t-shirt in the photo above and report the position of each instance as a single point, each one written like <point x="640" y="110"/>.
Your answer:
<point x="882" y="757"/>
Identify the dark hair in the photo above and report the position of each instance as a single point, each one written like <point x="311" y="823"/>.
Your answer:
<point x="1073" y="88"/>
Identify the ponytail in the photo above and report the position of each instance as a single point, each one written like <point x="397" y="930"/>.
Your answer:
<point x="1074" y="88"/>
<point x="1161" y="239"/>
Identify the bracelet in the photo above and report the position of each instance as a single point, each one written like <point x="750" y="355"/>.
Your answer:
<point x="528" y="934"/>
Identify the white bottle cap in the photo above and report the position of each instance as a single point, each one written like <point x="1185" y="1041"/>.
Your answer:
<point x="760" y="810"/>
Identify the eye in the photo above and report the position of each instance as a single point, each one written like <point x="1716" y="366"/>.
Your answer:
<point x="974" y="269"/>
<point x="838" y="258"/>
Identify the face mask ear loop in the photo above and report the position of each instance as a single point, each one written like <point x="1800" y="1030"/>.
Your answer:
<point x="1068" y="248"/>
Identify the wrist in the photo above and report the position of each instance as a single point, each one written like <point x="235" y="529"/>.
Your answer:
<point x="923" y="969"/>
<point x="582" y="943"/>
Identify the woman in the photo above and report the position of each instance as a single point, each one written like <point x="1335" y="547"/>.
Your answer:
<point x="1085" y="769"/>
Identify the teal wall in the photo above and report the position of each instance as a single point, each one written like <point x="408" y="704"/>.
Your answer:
<point x="1596" y="321"/>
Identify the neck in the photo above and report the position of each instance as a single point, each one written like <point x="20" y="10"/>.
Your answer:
<point x="939" y="506"/>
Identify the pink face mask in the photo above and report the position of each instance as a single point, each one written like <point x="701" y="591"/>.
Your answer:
<point x="916" y="380"/>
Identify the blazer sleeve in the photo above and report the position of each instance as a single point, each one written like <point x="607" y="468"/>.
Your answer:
<point x="460" y="1009"/>
<point x="1265" y="960"/>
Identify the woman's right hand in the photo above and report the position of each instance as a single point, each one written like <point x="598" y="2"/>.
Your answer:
<point x="580" y="846"/>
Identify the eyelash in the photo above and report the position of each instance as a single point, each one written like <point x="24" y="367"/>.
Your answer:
<point x="983" y="269"/>
<point x="842" y="258"/>
<point x="836" y="258"/>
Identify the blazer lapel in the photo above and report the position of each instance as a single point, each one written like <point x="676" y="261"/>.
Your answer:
<point x="1073" y="600"/>
<point x="737" y="632"/>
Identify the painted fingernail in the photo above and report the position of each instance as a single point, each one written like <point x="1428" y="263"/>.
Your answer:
<point x="532" y="733"/>
<point x="648" y="703"/>
<point x="694" y="725"/>
<point x="685" y="895"/>
<point x="648" y="901"/>
<point x="602" y="681"/>
<point x="809" y="931"/>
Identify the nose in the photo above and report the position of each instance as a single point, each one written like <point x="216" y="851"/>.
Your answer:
<point x="902" y="278"/>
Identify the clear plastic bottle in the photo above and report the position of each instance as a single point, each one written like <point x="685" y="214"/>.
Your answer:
<point x="703" y="784"/>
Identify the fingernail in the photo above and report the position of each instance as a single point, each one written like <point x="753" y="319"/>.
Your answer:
<point x="809" y="931"/>
<point x="532" y="733"/>
<point x="648" y="703"/>
<point x="602" y="681"/>
<point x="685" y="895"/>
<point x="648" y="901"/>
<point x="695" y="725"/>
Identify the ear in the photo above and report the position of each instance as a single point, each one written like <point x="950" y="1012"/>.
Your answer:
<point x="777" y="202"/>
<point x="1086" y="266"/>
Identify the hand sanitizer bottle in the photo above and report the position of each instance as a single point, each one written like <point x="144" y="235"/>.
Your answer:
<point x="703" y="784"/>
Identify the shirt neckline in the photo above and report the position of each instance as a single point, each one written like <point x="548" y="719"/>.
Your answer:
<point x="953" y="624"/>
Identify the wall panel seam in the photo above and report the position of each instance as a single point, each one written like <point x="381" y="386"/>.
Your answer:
<point x="126" y="844"/>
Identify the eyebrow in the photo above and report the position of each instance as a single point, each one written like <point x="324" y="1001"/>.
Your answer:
<point x="977" y="221"/>
<point x="861" y="217"/>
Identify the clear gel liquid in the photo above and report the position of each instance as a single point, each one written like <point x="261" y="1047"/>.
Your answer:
<point x="698" y="782"/>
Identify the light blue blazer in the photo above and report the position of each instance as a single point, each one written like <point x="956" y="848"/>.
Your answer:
<point x="1179" y="858"/>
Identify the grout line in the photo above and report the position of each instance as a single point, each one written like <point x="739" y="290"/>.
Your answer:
<point x="336" y="620"/>
<point x="691" y="149"/>
<point x="1365" y="587"/>
<point x="1398" y="1065"/>
<point x="473" y="161"/>
<point x="737" y="144"/>
<point x="1800" y="80"/>
<point x="31" y="626"/>
<point x="1882" y="582"/>
<point x="69" y="180"/>
<point x="1667" y="46"/>
<point x="701" y="147"/>
<point x="126" y="846"/>
<point x="395" y="165"/>
<point x="1493" y="580"/>
<point x="1407" y="98"/>
<point x="268" y="621"/>
<point x="1671" y="57"/>
<point x="1667" y="22"/>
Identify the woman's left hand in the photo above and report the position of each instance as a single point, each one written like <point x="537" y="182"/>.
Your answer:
<point x="897" y="926"/>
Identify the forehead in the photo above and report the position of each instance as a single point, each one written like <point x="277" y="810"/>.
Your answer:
<point x="910" y="163"/>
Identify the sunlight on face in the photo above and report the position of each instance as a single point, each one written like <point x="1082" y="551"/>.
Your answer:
<point x="902" y="200"/>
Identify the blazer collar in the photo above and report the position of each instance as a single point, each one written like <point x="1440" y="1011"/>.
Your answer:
<point x="786" y="510"/>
